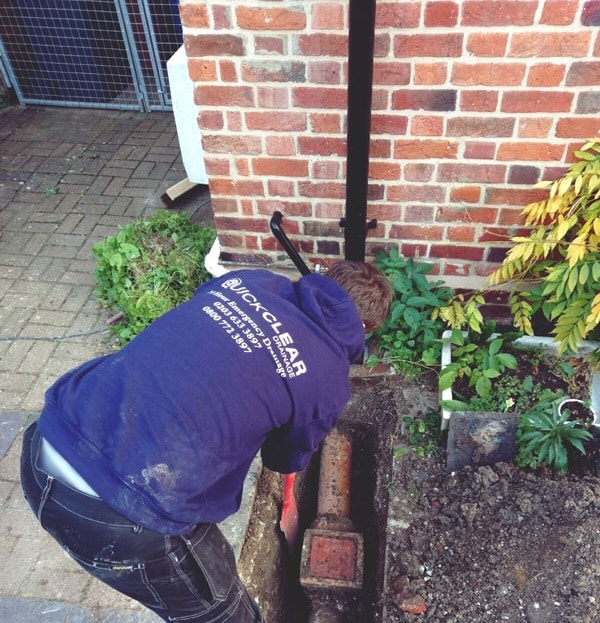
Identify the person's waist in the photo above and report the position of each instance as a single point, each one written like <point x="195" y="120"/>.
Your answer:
<point x="58" y="467"/>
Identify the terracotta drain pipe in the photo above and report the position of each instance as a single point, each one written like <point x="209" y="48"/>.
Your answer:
<point x="332" y="552"/>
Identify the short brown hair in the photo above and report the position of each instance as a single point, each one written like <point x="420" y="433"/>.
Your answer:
<point x="369" y="288"/>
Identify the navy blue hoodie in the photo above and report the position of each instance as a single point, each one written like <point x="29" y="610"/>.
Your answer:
<point x="165" y="429"/>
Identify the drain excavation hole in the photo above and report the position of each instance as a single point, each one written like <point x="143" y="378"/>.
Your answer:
<point x="334" y="558"/>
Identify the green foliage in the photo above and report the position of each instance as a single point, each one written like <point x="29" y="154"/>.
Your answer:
<point x="150" y="266"/>
<point x="556" y="267"/>
<point x="410" y="337"/>
<point x="424" y="434"/>
<point x="508" y="393"/>
<point x="545" y="432"/>
<point x="479" y="359"/>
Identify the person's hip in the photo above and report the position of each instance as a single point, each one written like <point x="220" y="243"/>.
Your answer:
<point x="58" y="505"/>
<point x="192" y="575"/>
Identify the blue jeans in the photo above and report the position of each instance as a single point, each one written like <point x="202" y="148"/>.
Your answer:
<point x="190" y="578"/>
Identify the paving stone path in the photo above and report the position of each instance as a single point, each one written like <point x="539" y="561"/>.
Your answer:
<point x="68" y="178"/>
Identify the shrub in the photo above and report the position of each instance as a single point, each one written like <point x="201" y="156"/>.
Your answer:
<point x="410" y="337"/>
<point x="149" y="267"/>
<point x="554" y="270"/>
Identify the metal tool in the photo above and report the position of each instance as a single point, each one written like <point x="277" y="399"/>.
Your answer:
<point x="278" y="232"/>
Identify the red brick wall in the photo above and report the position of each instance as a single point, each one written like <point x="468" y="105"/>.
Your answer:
<point x="473" y="102"/>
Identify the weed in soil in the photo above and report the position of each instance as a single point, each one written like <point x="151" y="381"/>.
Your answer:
<point x="535" y="375"/>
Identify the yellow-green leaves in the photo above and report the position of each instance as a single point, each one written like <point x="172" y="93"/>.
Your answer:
<point x="593" y="318"/>
<point x="556" y="267"/>
<point x="559" y="257"/>
<point x="461" y="312"/>
<point x="521" y="311"/>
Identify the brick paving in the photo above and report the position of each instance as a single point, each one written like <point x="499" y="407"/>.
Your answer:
<point x="68" y="178"/>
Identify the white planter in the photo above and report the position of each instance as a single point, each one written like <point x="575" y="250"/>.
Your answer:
<point x="547" y="345"/>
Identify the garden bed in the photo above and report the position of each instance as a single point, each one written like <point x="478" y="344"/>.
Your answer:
<point x="537" y="365"/>
<point x="495" y="543"/>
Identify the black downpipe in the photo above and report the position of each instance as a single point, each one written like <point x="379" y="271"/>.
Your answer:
<point x="360" y="90"/>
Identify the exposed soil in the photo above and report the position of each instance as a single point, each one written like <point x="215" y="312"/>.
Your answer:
<point x="495" y="543"/>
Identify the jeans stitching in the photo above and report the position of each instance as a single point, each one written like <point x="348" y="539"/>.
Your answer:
<point x="45" y="493"/>
<point x="186" y="580"/>
<point x="221" y="617"/>
<point x="237" y="603"/>
<point x="219" y="596"/>
<point x="37" y="470"/>
<point x="136" y="568"/>
<point x="150" y="587"/>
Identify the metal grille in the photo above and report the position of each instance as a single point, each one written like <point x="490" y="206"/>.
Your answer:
<point x="97" y="53"/>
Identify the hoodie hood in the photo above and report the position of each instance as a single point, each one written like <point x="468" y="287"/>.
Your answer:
<point x="330" y="307"/>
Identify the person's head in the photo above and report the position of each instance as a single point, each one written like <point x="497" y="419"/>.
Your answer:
<point x="370" y="290"/>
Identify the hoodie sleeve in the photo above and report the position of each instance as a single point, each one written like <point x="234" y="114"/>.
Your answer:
<point x="289" y="449"/>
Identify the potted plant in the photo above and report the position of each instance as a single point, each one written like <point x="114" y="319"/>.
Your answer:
<point x="501" y="401"/>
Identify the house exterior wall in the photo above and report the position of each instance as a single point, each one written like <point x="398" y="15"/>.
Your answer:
<point x="474" y="101"/>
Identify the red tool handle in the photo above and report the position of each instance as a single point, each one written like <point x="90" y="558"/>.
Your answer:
<point x="289" y="512"/>
<point x="288" y="490"/>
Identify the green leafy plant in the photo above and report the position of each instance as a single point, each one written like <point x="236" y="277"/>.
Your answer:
<point x="477" y="358"/>
<point x="410" y="337"/>
<point x="550" y="377"/>
<point x="150" y="266"/>
<point x="424" y="433"/>
<point x="544" y="434"/>
<point x="508" y="393"/>
<point x="555" y="269"/>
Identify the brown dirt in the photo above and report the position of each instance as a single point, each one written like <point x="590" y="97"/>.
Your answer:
<point x="495" y="543"/>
